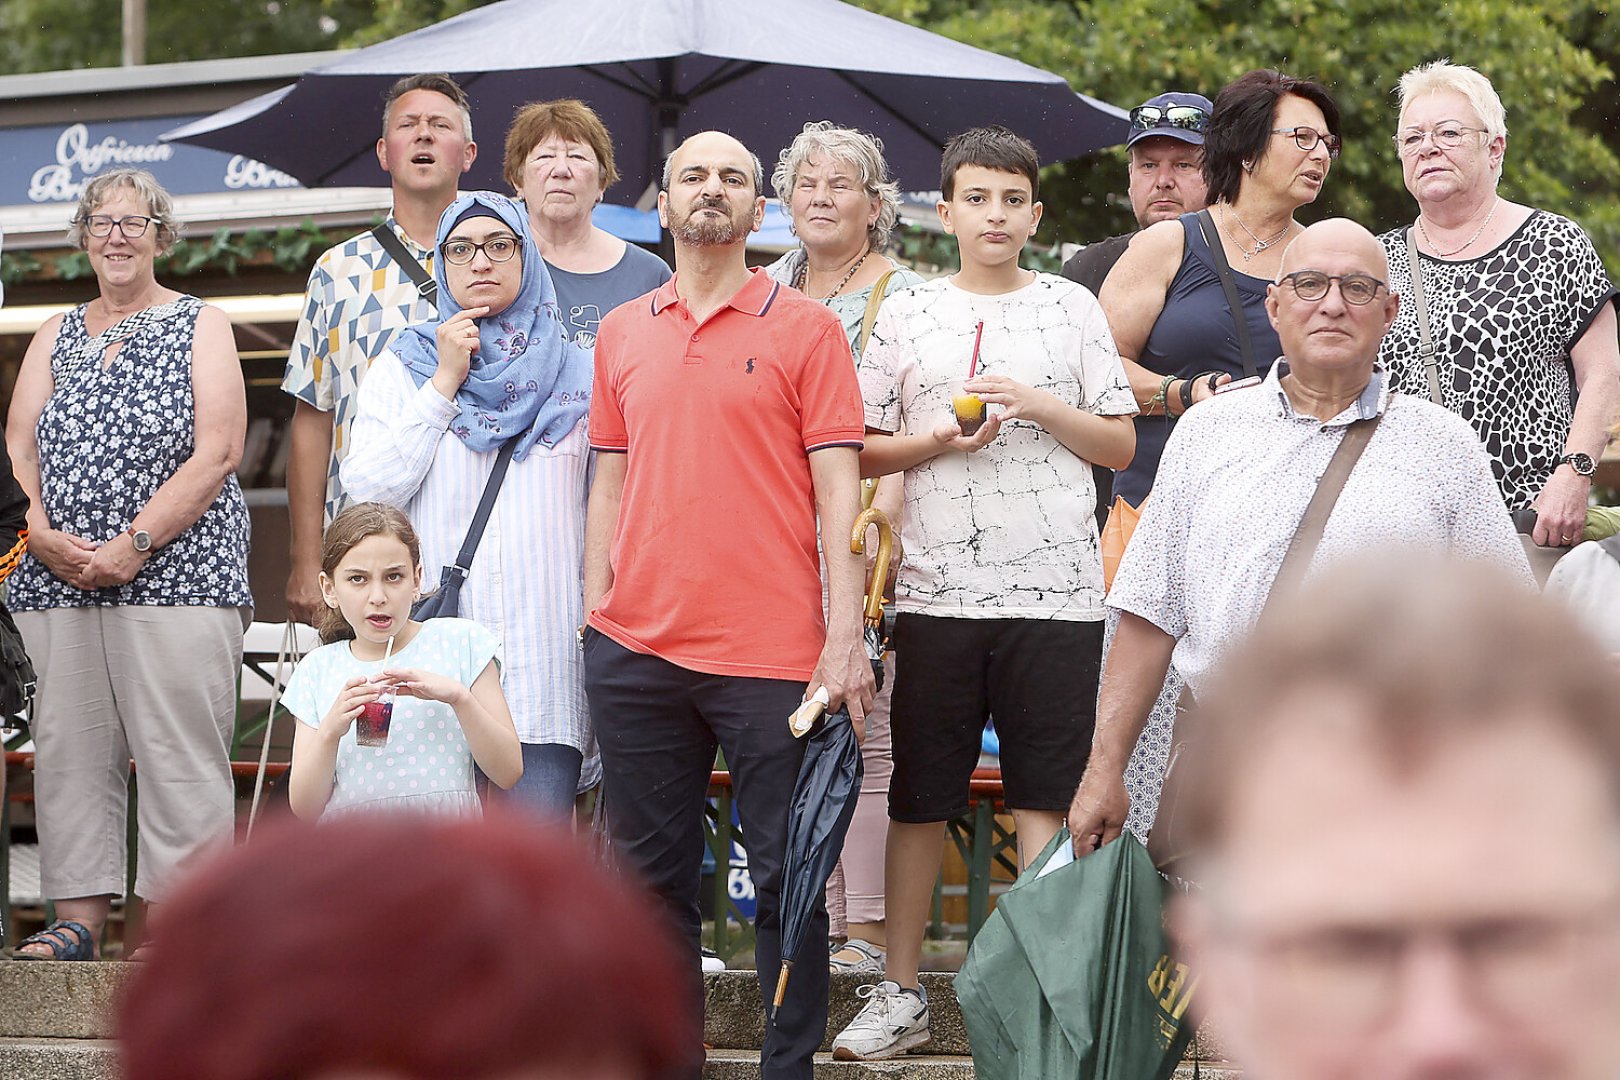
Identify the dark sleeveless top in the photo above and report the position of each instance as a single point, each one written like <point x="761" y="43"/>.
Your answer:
<point x="1195" y="333"/>
<point x="107" y="441"/>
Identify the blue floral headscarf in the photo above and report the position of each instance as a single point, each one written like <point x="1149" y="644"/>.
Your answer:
<point x="527" y="381"/>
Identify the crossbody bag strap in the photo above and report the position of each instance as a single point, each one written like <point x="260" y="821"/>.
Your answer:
<point x="873" y="302"/>
<point x="426" y="287"/>
<point x="1314" y="522"/>
<point x="1223" y="270"/>
<point x="1426" y="353"/>
<point x="486" y="506"/>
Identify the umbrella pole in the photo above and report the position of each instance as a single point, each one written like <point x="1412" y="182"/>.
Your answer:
<point x="781" y="987"/>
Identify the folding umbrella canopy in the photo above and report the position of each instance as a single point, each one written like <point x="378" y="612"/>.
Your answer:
<point x="657" y="72"/>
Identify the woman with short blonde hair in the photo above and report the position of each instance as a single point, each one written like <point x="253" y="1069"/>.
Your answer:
<point x="1512" y="304"/>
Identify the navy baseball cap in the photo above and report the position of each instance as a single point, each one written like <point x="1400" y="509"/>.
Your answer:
<point x="1174" y="115"/>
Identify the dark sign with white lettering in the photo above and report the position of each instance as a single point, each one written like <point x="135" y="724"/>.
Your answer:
<point x="51" y="164"/>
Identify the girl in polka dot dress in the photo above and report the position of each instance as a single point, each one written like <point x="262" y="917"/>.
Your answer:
<point x="448" y="710"/>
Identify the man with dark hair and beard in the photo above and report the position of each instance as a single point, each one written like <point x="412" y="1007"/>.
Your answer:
<point x="727" y="419"/>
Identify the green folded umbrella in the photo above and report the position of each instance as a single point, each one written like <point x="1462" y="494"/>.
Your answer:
<point x="1072" y="976"/>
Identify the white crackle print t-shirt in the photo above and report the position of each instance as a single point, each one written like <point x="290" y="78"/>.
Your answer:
<point x="1009" y="531"/>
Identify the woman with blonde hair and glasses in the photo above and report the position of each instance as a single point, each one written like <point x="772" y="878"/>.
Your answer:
<point x="1510" y="314"/>
<point x="125" y="429"/>
<point x="835" y="186"/>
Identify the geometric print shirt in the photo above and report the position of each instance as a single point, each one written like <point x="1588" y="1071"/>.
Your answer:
<point x="357" y="301"/>
<point x="1236" y="477"/>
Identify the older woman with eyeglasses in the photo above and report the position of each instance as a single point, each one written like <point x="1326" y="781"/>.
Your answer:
<point x="1268" y="147"/>
<point x="834" y="183"/>
<point x="125" y="429"/>
<point x="1510" y="311"/>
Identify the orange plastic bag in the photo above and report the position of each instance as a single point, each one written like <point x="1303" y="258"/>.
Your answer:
<point x="1116" y="533"/>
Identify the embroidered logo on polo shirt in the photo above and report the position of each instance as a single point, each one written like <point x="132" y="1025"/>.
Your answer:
<point x="750" y="365"/>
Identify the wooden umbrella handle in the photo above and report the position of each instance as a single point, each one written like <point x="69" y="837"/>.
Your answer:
<point x="868" y="518"/>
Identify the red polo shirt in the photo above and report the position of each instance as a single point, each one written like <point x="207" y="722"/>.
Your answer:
<point x="714" y="557"/>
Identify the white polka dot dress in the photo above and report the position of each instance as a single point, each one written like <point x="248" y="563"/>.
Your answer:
<point x="426" y="765"/>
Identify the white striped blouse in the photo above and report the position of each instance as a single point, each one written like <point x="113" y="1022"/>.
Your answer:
<point x="526" y="579"/>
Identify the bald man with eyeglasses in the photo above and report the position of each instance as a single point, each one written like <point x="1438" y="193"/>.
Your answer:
<point x="1238" y="475"/>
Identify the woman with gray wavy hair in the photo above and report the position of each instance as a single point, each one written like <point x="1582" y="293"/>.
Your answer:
<point x="125" y="429"/>
<point x="835" y="186"/>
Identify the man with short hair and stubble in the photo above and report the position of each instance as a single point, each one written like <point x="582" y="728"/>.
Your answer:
<point x="1164" y="179"/>
<point x="1403" y="803"/>
<point x="1237" y="476"/>
<point x="359" y="296"/>
<point x="727" y="418"/>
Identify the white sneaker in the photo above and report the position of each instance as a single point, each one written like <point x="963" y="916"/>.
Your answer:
<point x="712" y="961"/>
<point x="891" y="1022"/>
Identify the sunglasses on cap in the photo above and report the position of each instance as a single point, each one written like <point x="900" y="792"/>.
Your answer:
<point x="1186" y="117"/>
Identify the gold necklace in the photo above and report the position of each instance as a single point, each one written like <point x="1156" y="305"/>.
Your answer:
<point x="804" y="277"/>
<point x="1424" y="229"/>
<point x="1259" y="244"/>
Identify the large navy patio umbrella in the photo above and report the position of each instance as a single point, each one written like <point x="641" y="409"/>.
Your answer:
<point x="659" y="71"/>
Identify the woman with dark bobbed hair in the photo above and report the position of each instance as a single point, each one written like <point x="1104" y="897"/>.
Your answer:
<point x="1268" y="148"/>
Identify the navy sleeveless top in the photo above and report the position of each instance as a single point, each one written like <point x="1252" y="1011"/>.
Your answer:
<point x="108" y="439"/>
<point x="1195" y="333"/>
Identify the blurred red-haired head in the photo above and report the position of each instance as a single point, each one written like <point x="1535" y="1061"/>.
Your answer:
<point x="412" y="948"/>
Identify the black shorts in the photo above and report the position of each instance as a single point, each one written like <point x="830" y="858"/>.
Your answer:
<point x="1037" y="677"/>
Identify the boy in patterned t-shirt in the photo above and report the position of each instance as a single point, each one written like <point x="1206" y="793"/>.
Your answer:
<point x="1000" y="597"/>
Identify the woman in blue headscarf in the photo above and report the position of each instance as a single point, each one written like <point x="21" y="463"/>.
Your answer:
<point x="434" y="412"/>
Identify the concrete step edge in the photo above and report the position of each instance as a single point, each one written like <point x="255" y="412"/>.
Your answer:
<point x="744" y="1065"/>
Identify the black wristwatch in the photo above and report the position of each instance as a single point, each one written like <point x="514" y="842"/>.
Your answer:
<point x="1581" y="463"/>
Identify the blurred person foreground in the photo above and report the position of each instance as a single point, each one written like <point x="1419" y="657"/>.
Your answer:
<point x="407" y="948"/>
<point x="1407" y="826"/>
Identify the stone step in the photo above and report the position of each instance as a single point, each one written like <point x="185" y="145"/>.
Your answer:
<point x="732" y="1016"/>
<point x="58" y="1059"/>
<point x="744" y="1065"/>
<point x="42" y="999"/>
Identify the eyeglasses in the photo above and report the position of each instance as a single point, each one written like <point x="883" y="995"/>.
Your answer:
<point x="1187" y="117"/>
<point x="133" y="227"/>
<point x="1357" y="289"/>
<point x="1446" y="137"/>
<point x="1351" y="978"/>
<point x="498" y="249"/>
<point x="1306" y="138"/>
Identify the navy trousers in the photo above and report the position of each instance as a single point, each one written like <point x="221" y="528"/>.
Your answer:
<point x="658" y="725"/>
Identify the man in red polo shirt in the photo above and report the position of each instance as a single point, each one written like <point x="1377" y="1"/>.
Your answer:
<point x="728" y="421"/>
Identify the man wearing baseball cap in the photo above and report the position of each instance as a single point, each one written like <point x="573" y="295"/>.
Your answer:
<point x="1166" y="180"/>
<point x="1166" y="176"/>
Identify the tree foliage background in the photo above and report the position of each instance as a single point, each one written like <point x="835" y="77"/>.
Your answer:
<point x="1551" y="61"/>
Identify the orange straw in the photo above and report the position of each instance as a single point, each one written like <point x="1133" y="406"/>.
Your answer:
<point x="973" y="364"/>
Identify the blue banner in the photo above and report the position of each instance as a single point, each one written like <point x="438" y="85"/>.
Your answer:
<point x="51" y="163"/>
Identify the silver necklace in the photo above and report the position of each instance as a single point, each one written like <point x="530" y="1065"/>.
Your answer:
<point x="1259" y="244"/>
<point x="804" y="277"/>
<point x="1424" y="229"/>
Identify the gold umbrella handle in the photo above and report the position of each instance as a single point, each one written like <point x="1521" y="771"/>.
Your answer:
<point x="868" y="518"/>
<point x="869" y="488"/>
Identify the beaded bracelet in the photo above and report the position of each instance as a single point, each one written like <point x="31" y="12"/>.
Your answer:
<point x="1159" y="398"/>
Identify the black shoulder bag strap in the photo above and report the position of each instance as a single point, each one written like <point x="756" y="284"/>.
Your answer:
<point x="486" y="506"/>
<point x="426" y="287"/>
<point x="1426" y="353"/>
<point x="1229" y="286"/>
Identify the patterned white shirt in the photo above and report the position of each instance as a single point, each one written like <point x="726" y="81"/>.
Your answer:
<point x="358" y="298"/>
<point x="1236" y="477"/>
<point x="1008" y="532"/>
<point x="525" y="582"/>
